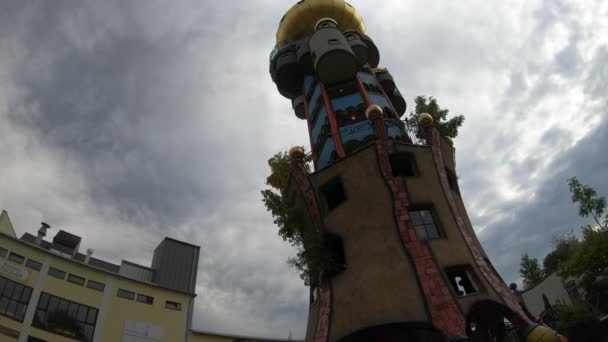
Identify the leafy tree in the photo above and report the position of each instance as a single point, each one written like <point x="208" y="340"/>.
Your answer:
<point x="564" y="247"/>
<point x="588" y="258"/>
<point x="530" y="271"/>
<point x="292" y="222"/>
<point x="447" y="128"/>
<point x="579" y="324"/>
<point x="588" y="201"/>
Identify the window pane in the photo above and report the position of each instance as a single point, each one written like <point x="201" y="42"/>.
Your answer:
<point x="75" y="279"/>
<point x="415" y="218"/>
<point x="421" y="233"/>
<point x="33" y="264"/>
<point x="3" y="305"/>
<point x="11" y="308"/>
<point x="67" y="320"/>
<point x="8" y="289"/>
<point x="2" y="283"/>
<point x="173" y="305"/>
<point x="53" y="304"/>
<point x="432" y="232"/>
<point x="56" y="273"/>
<point x="92" y="316"/>
<point x="16" y="258"/>
<point x="95" y="285"/>
<point x="40" y="318"/>
<point x="72" y="310"/>
<point x="3" y="252"/>
<point x="26" y="294"/>
<point x="82" y="313"/>
<point x="20" y="311"/>
<point x="17" y="291"/>
<point x="88" y="331"/>
<point x="426" y="216"/>
<point x="125" y="294"/>
<point x="44" y="301"/>
<point x="63" y="305"/>
<point x="145" y="299"/>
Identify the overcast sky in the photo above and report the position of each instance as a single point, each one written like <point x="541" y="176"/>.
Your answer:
<point x="124" y="122"/>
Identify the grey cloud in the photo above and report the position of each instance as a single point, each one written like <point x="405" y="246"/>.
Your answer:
<point x="145" y="120"/>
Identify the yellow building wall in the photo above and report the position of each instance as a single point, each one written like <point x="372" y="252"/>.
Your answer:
<point x="5" y="224"/>
<point x="117" y="310"/>
<point x="32" y="276"/>
<point x="120" y="309"/>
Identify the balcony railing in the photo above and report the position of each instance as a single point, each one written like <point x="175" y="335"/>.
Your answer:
<point x="360" y="133"/>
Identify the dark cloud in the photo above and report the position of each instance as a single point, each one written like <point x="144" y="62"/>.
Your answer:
<point x="151" y="119"/>
<point x="531" y="226"/>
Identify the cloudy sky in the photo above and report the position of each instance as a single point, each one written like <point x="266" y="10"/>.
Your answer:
<point x="125" y="122"/>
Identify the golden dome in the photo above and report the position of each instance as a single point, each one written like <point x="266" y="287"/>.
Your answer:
<point x="425" y="119"/>
<point x="299" y="21"/>
<point x="296" y="152"/>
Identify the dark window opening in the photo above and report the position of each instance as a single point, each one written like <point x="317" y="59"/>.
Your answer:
<point x="145" y="299"/>
<point x="333" y="193"/>
<point x="332" y="41"/>
<point x="173" y="305"/>
<point x="76" y="279"/>
<point x="461" y="281"/>
<point x="350" y="114"/>
<point x="64" y="317"/>
<point x="14" y="298"/>
<point x="333" y="248"/>
<point x="35" y="339"/>
<point x="425" y="224"/>
<point x="314" y="295"/>
<point x="3" y="252"/>
<point x="95" y="285"/>
<point x="33" y="264"/>
<point x="56" y="273"/>
<point x="342" y="89"/>
<point x="125" y="294"/>
<point x="16" y="258"/>
<point x="403" y="165"/>
<point x="452" y="180"/>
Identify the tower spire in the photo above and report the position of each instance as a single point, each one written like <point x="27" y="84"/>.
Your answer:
<point x="401" y="260"/>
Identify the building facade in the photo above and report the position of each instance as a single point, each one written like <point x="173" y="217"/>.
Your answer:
<point x="557" y="291"/>
<point x="50" y="291"/>
<point x="383" y="205"/>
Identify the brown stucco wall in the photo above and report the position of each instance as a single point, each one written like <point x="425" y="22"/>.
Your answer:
<point x="451" y="250"/>
<point x="313" y="318"/>
<point x="379" y="285"/>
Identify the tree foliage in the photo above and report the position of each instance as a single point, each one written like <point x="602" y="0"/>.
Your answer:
<point x="530" y="271"/>
<point x="292" y="222"/>
<point x="589" y="202"/>
<point x="579" y="323"/>
<point x="564" y="247"/>
<point x="447" y="128"/>
<point x="589" y="257"/>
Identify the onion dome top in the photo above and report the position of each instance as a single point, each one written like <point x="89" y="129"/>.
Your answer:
<point x="299" y="21"/>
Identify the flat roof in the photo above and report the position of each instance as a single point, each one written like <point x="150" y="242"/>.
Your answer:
<point x="97" y="264"/>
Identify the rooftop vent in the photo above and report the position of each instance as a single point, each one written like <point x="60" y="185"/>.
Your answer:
<point x="42" y="232"/>
<point x="66" y="243"/>
<point x="88" y="257"/>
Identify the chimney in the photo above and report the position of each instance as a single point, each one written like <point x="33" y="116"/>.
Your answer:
<point x="42" y="232"/>
<point x="88" y="257"/>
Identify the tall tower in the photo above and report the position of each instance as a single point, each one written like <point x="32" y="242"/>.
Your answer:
<point x="383" y="205"/>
